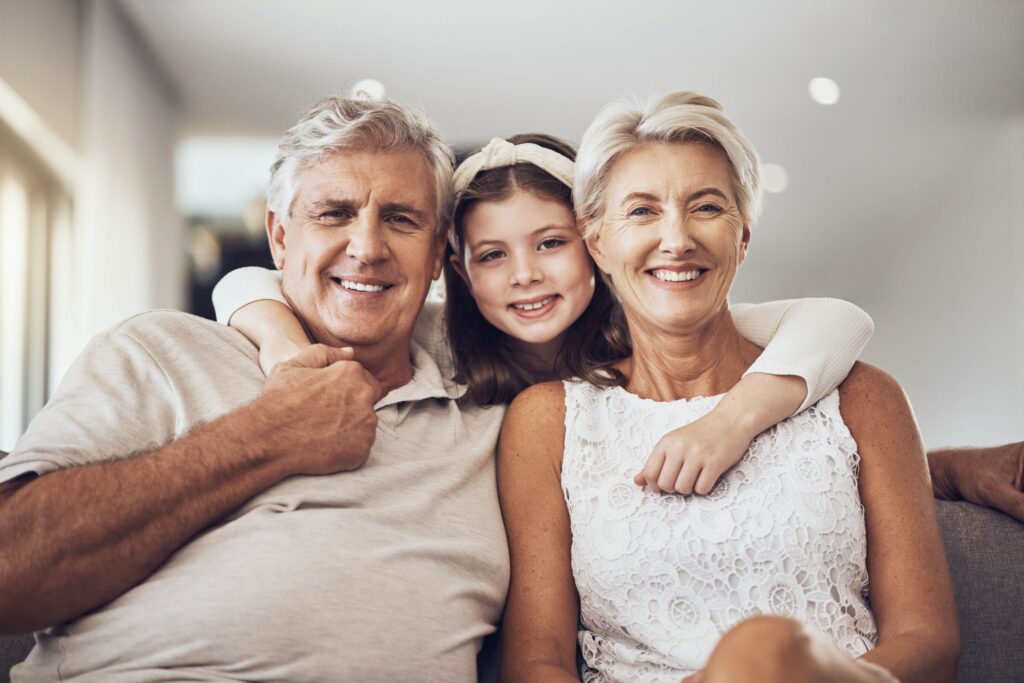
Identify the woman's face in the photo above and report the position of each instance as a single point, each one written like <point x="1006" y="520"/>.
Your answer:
<point x="526" y="266"/>
<point x="671" y="237"/>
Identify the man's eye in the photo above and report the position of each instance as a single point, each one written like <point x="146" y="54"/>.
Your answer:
<point x="492" y="255"/>
<point x="550" y="243"/>
<point x="333" y="215"/>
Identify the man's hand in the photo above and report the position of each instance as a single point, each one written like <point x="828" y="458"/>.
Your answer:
<point x="993" y="477"/>
<point x="317" y="410"/>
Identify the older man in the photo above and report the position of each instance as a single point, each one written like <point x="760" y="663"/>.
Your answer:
<point x="178" y="520"/>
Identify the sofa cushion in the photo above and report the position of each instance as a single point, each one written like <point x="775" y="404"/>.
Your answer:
<point x="986" y="559"/>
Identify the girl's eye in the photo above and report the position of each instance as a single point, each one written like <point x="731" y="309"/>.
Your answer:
<point x="550" y="243"/>
<point x="492" y="255"/>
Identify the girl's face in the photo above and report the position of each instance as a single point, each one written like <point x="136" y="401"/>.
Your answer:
<point x="526" y="266"/>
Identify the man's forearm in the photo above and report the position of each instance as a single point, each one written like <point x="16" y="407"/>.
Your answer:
<point x="78" y="538"/>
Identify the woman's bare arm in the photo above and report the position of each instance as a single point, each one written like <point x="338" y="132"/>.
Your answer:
<point x="911" y="592"/>
<point x="539" y="626"/>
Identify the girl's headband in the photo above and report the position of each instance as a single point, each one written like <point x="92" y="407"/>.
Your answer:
<point x="500" y="153"/>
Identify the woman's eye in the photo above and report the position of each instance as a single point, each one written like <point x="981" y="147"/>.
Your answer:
<point x="492" y="255"/>
<point x="639" y="212"/>
<point x="550" y="243"/>
<point x="708" y="209"/>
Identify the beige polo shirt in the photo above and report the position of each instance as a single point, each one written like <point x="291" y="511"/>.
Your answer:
<point x="392" y="572"/>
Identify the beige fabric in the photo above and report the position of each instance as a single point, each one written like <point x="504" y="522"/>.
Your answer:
<point x="392" y="572"/>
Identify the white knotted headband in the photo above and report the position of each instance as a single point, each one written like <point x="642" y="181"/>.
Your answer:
<point x="500" y="153"/>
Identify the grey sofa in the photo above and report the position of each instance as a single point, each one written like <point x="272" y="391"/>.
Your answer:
<point x="986" y="555"/>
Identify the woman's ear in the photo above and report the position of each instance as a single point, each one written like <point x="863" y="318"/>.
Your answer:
<point x="744" y="243"/>
<point x="593" y="241"/>
<point x="460" y="268"/>
<point x="276" y="237"/>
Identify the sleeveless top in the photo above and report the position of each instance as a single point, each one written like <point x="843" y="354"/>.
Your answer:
<point x="661" y="577"/>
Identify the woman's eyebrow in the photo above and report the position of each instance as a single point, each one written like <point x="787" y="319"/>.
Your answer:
<point x="709" y="190"/>
<point x="646" y="196"/>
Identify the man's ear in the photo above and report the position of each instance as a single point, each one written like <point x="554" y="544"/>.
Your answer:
<point x="440" y="248"/>
<point x="744" y="243"/>
<point x="276" y="238"/>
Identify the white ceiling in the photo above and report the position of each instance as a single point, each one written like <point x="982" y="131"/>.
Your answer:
<point x="924" y="86"/>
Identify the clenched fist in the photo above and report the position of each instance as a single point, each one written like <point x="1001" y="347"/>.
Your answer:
<point x="316" y="411"/>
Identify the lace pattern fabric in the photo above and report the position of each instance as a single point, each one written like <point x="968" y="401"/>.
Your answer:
<point x="662" y="577"/>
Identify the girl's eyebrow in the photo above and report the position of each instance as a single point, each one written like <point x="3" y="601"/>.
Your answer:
<point x="542" y="229"/>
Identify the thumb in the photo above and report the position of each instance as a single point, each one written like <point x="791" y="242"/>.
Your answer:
<point x="378" y="389"/>
<point x="321" y="355"/>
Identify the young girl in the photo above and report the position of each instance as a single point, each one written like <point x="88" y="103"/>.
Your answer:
<point x="523" y="305"/>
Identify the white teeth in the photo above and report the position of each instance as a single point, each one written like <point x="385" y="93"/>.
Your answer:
<point x="534" y="306"/>
<point x="361" y="287"/>
<point x="672" y="276"/>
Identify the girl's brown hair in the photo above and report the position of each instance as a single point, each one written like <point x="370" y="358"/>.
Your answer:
<point x="483" y="356"/>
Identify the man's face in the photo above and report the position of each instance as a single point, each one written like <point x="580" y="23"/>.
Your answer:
<point x="361" y="247"/>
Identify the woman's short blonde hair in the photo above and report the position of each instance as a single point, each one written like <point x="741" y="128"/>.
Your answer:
<point x="676" y="117"/>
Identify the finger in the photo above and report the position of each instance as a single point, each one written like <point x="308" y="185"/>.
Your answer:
<point x="1006" y="498"/>
<point x="320" y="356"/>
<point x="687" y="477"/>
<point x="706" y="481"/>
<point x="670" y="472"/>
<point x="638" y="479"/>
<point x="378" y="389"/>
<point x="653" y="468"/>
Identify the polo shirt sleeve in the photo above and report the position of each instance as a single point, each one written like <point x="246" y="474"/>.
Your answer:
<point x="114" y="402"/>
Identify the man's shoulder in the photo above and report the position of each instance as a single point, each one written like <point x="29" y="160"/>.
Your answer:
<point x="168" y="330"/>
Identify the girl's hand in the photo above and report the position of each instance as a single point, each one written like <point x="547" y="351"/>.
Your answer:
<point x="278" y="349"/>
<point x="691" y="459"/>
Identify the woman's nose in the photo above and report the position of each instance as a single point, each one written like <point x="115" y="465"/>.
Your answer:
<point x="676" y="236"/>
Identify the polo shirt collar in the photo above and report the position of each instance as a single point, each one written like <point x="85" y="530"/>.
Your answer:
<point x="427" y="382"/>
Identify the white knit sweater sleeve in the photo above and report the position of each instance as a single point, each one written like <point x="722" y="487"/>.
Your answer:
<point x="816" y="339"/>
<point x="243" y="286"/>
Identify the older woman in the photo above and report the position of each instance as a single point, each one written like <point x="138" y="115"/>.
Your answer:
<point x="766" y="579"/>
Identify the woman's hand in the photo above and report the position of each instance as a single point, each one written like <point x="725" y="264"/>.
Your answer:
<point x="691" y="459"/>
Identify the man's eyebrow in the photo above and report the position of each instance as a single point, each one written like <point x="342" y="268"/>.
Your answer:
<point x="332" y="204"/>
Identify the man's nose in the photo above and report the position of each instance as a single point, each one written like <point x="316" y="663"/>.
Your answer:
<point x="366" y="239"/>
<point x="525" y="271"/>
<point x="676" y="235"/>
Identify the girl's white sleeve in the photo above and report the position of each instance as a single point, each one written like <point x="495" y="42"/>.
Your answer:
<point x="243" y="286"/>
<point x="816" y="339"/>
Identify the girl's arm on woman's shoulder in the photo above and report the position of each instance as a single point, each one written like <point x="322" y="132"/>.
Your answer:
<point x="911" y="591"/>
<point x="809" y="347"/>
<point x="539" y="626"/>
<point x="250" y="300"/>
<point x="817" y="340"/>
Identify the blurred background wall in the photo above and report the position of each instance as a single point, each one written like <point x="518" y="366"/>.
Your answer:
<point x="135" y="137"/>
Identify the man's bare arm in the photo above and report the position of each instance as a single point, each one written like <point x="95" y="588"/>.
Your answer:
<point x="76" y="539"/>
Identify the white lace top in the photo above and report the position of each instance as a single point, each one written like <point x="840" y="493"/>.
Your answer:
<point x="662" y="577"/>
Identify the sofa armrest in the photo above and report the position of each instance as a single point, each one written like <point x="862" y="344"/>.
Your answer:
<point x="986" y="559"/>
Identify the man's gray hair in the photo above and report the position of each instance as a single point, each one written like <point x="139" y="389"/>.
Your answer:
<point x="676" y="117"/>
<point x="338" y="123"/>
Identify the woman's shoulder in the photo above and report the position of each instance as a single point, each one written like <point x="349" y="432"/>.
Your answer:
<point x="869" y="390"/>
<point x="542" y="404"/>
